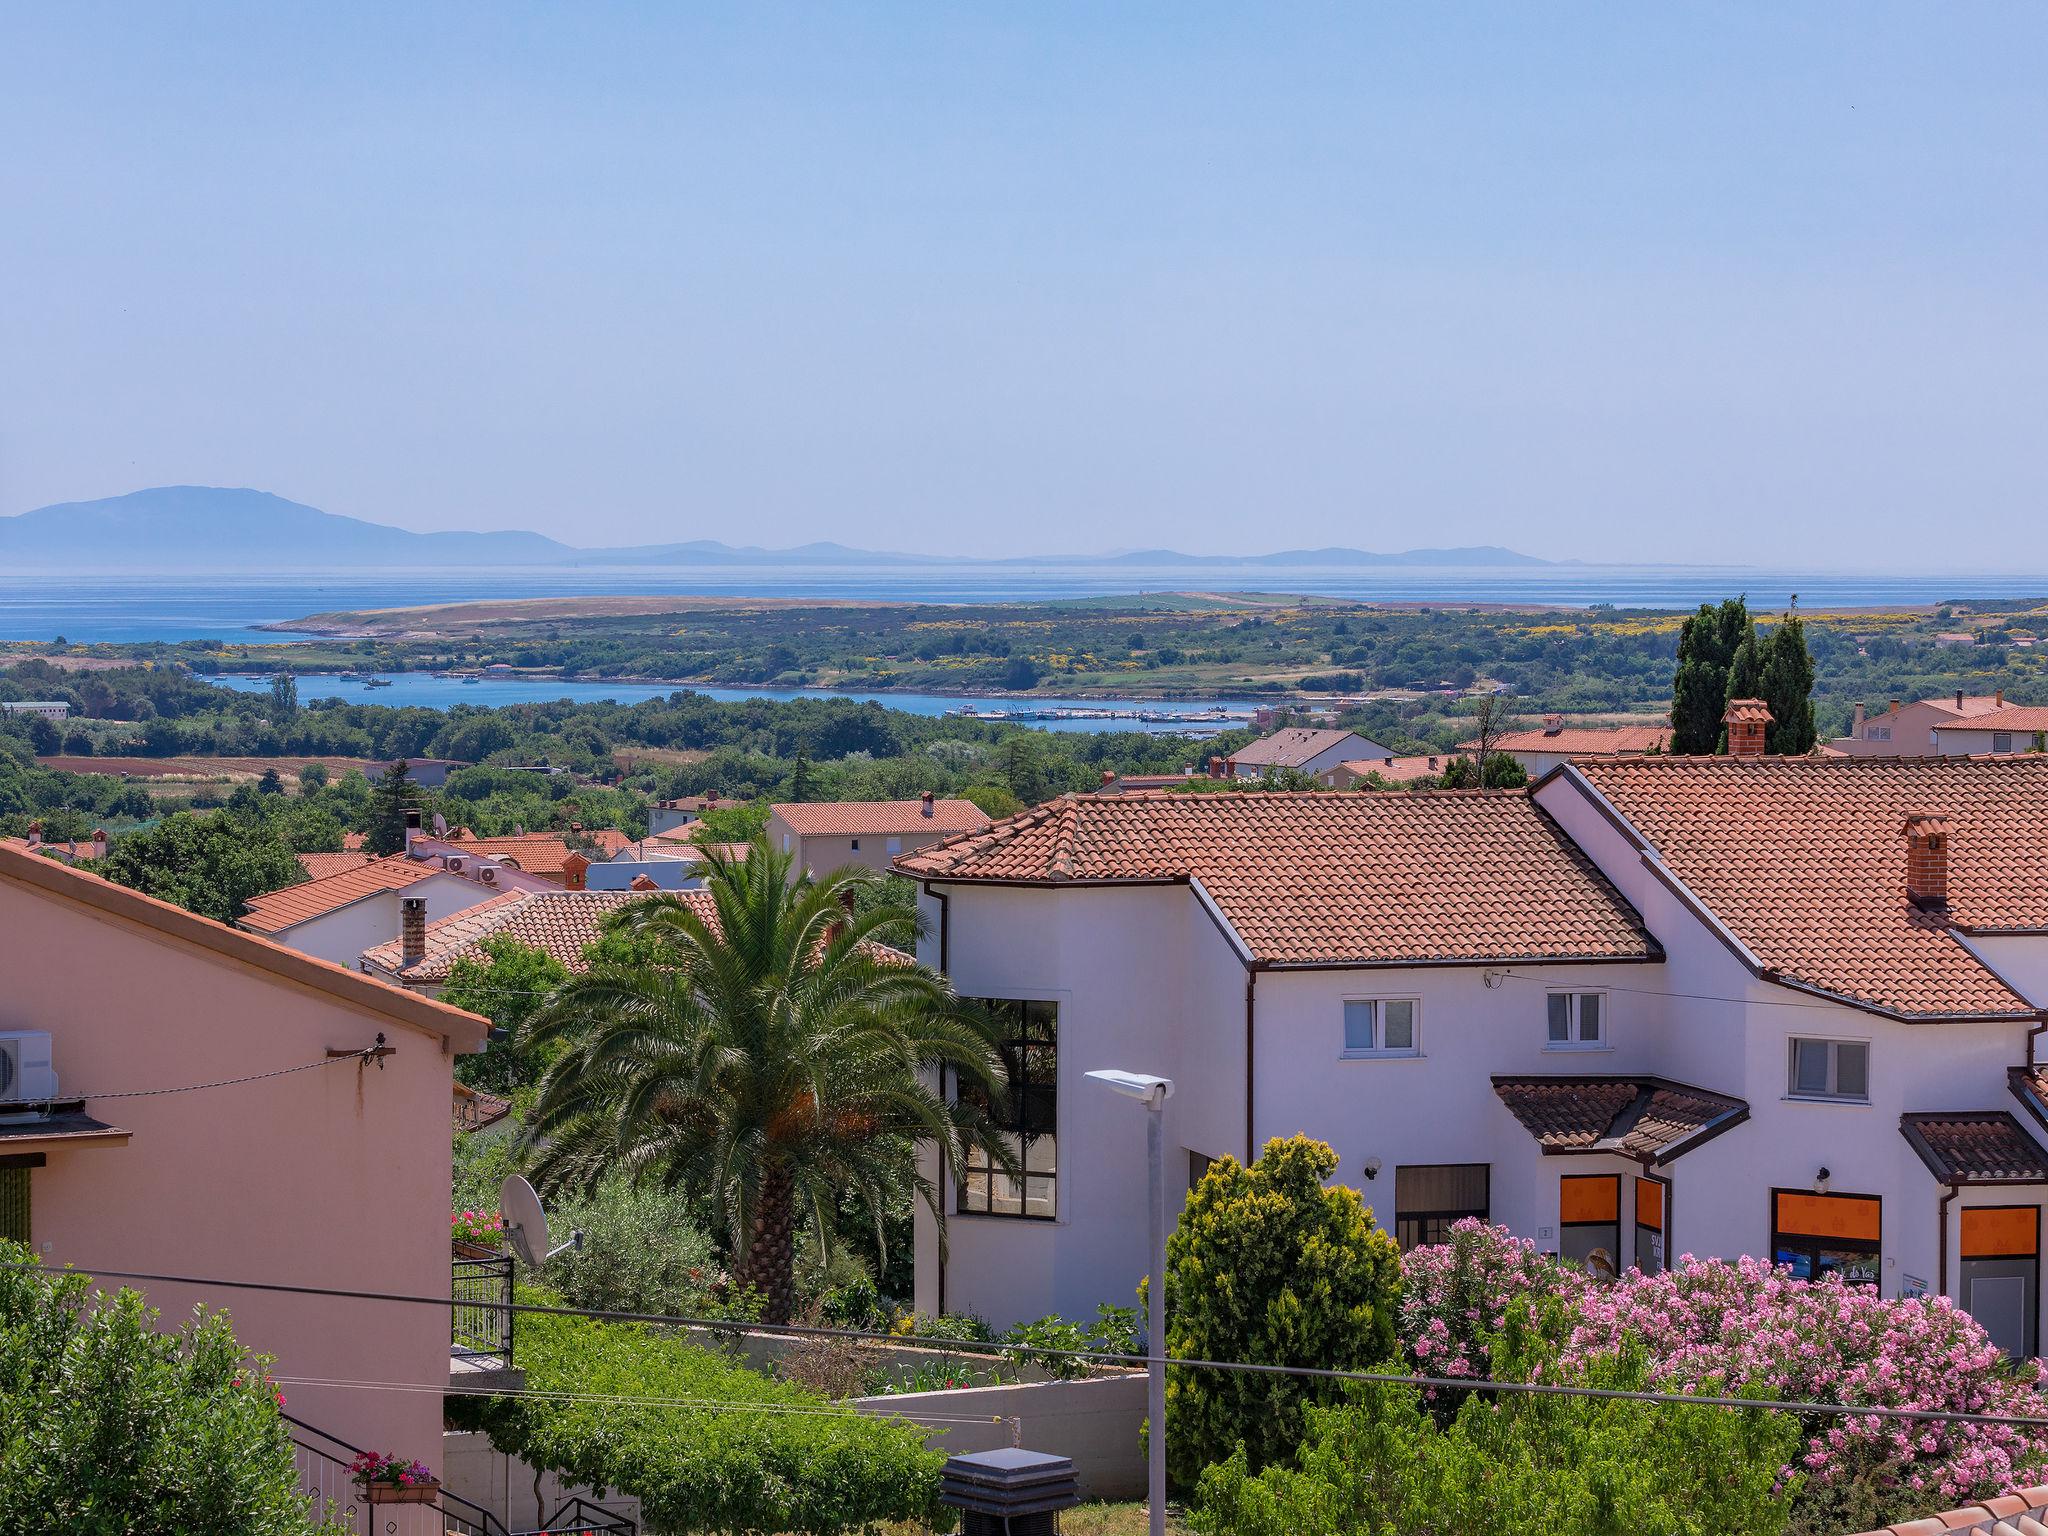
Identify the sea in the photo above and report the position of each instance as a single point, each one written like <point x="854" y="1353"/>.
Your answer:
<point x="239" y="606"/>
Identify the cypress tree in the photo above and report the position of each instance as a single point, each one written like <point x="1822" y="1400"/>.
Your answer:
<point x="1745" y="671"/>
<point x="1786" y="684"/>
<point x="801" y="785"/>
<point x="396" y="793"/>
<point x="1699" y="689"/>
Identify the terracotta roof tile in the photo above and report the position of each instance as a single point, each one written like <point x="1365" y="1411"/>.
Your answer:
<point x="1329" y="876"/>
<point x="2018" y="718"/>
<point x="1289" y="748"/>
<point x="1804" y="861"/>
<point x="473" y="1109"/>
<point x="559" y="923"/>
<point x="275" y="911"/>
<point x="1639" y="1117"/>
<point x="538" y="853"/>
<point x="1402" y="770"/>
<point x="1976" y="1147"/>
<point x="1589" y="740"/>
<point x="318" y="866"/>
<point x="879" y="818"/>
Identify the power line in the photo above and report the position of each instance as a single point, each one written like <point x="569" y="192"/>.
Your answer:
<point x="629" y="1400"/>
<point x="1105" y="1356"/>
<point x="367" y="1053"/>
<point x="1691" y="997"/>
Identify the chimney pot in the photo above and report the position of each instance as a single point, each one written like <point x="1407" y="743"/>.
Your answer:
<point x="1895" y="706"/>
<point x="1108" y="778"/>
<point x="1927" y="839"/>
<point x="412" y="930"/>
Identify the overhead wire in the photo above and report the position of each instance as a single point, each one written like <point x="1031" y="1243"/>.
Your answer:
<point x="367" y="1053"/>
<point x="1103" y="1356"/>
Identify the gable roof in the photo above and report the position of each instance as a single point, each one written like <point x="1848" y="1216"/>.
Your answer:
<point x="538" y="853"/>
<point x="1640" y="1117"/>
<point x="2018" y="718"/>
<point x="1402" y="770"/>
<point x="318" y="866"/>
<point x="275" y="911"/>
<point x="878" y="818"/>
<point x="1803" y="862"/>
<point x="1292" y="747"/>
<point x="1328" y="877"/>
<point x="558" y="923"/>
<point x="60" y="882"/>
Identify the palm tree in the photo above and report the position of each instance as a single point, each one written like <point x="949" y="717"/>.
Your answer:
<point x="765" y="1060"/>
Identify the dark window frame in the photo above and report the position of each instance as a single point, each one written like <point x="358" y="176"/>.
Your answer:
<point x="1781" y="1240"/>
<point x="1410" y="1227"/>
<point x="1964" y="1260"/>
<point x="1025" y="1100"/>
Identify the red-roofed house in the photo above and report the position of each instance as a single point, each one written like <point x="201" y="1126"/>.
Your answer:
<point x="2010" y="728"/>
<point x="1734" y="1006"/>
<point x="1907" y="730"/>
<point x="1539" y="751"/>
<point x="340" y="915"/>
<point x="1301" y="748"/>
<point x="826" y="835"/>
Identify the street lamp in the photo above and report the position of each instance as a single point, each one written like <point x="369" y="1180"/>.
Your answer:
<point x="1153" y="1092"/>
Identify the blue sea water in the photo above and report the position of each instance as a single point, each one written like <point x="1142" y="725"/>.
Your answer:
<point x="229" y="606"/>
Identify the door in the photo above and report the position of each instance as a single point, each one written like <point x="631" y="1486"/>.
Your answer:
<point x="2001" y="1274"/>
<point x="1589" y="1221"/>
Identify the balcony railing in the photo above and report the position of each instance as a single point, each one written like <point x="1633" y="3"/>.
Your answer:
<point x="480" y="1281"/>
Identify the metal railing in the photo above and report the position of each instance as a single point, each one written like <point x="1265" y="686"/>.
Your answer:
<point x="480" y="1283"/>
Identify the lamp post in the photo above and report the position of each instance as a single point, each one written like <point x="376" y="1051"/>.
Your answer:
<point x="1153" y="1092"/>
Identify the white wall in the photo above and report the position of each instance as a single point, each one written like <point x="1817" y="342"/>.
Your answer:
<point x="343" y="935"/>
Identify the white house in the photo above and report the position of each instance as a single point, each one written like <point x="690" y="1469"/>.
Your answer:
<point x="2011" y="728"/>
<point x="824" y="835"/>
<point x="1907" y="730"/>
<point x="1302" y="748"/>
<point x="48" y="709"/>
<point x="1650" y="1006"/>
<point x="685" y="811"/>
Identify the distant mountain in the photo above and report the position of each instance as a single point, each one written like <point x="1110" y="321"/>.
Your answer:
<point x="204" y="527"/>
<point x="207" y="526"/>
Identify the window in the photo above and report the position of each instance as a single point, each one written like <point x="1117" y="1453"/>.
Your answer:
<point x="856" y="844"/>
<point x="1830" y="1069"/>
<point x="1380" y="1026"/>
<point x="1428" y="1197"/>
<point x="14" y="1204"/>
<point x="895" y="846"/>
<point x="1651" y="1198"/>
<point x="1589" y="1221"/>
<point x="785" y="842"/>
<point x="1578" y="1021"/>
<point x="2001" y="741"/>
<point x="1827" y="1234"/>
<point x="1029" y="1043"/>
<point x="1877" y="733"/>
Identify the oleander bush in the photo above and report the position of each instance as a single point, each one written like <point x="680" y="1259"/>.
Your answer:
<point x="110" y="1424"/>
<point x="1754" y="1327"/>
<point x="1381" y="1463"/>
<point x="703" y="1443"/>
<point x="1270" y="1267"/>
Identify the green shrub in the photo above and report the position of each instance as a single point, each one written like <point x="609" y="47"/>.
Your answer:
<point x="1516" y="1465"/>
<point x="641" y="1253"/>
<point x="956" y="1327"/>
<point x="1269" y="1267"/>
<point x="109" y="1425"/>
<point x="1049" y="1342"/>
<point x="798" y="1466"/>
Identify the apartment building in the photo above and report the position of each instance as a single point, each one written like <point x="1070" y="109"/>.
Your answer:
<point x="1651" y="1005"/>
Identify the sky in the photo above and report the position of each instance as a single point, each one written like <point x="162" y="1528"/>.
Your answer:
<point x="1753" y="283"/>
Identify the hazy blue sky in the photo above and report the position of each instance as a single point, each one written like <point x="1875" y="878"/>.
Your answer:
<point x="1653" y="281"/>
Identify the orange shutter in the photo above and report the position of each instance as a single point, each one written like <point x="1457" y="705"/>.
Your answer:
<point x="1849" y="1216"/>
<point x="1594" y="1197"/>
<point x="2001" y="1231"/>
<point x="1650" y="1204"/>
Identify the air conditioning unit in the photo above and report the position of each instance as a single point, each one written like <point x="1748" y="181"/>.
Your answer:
<point x="26" y="1076"/>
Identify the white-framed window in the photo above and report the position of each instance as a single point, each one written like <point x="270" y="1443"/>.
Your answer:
<point x="895" y="846"/>
<point x="1576" y="1021"/>
<point x="1828" y="1069"/>
<point x="785" y="842"/>
<point x="1877" y="733"/>
<point x="2001" y="741"/>
<point x="1382" y="1026"/>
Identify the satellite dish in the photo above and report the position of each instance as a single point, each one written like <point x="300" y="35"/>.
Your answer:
<point x="526" y="1224"/>
<point x="440" y="825"/>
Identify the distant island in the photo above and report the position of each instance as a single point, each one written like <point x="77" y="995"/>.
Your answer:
<point x="193" y="527"/>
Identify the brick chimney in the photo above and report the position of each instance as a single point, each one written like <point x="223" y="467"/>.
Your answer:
<point x="640" y="882"/>
<point x="1215" y="767"/>
<point x="1108" y="778"/>
<point x="412" y="930"/>
<point x="99" y="843"/>
<point x="1927" y="861"/>
<point x="924" y="803"/>
<point x="575" y="872"/>
<point x="1746" y="721"/>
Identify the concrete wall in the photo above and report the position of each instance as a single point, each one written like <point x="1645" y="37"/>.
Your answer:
<point x="1096" y="1423"/>
<point x="335" y="1177"/>
<point x="475" y="1470"/>
<point x="343" y="935"/>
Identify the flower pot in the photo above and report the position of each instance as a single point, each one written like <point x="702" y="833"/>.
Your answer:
<point x="395" y="1493"/>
